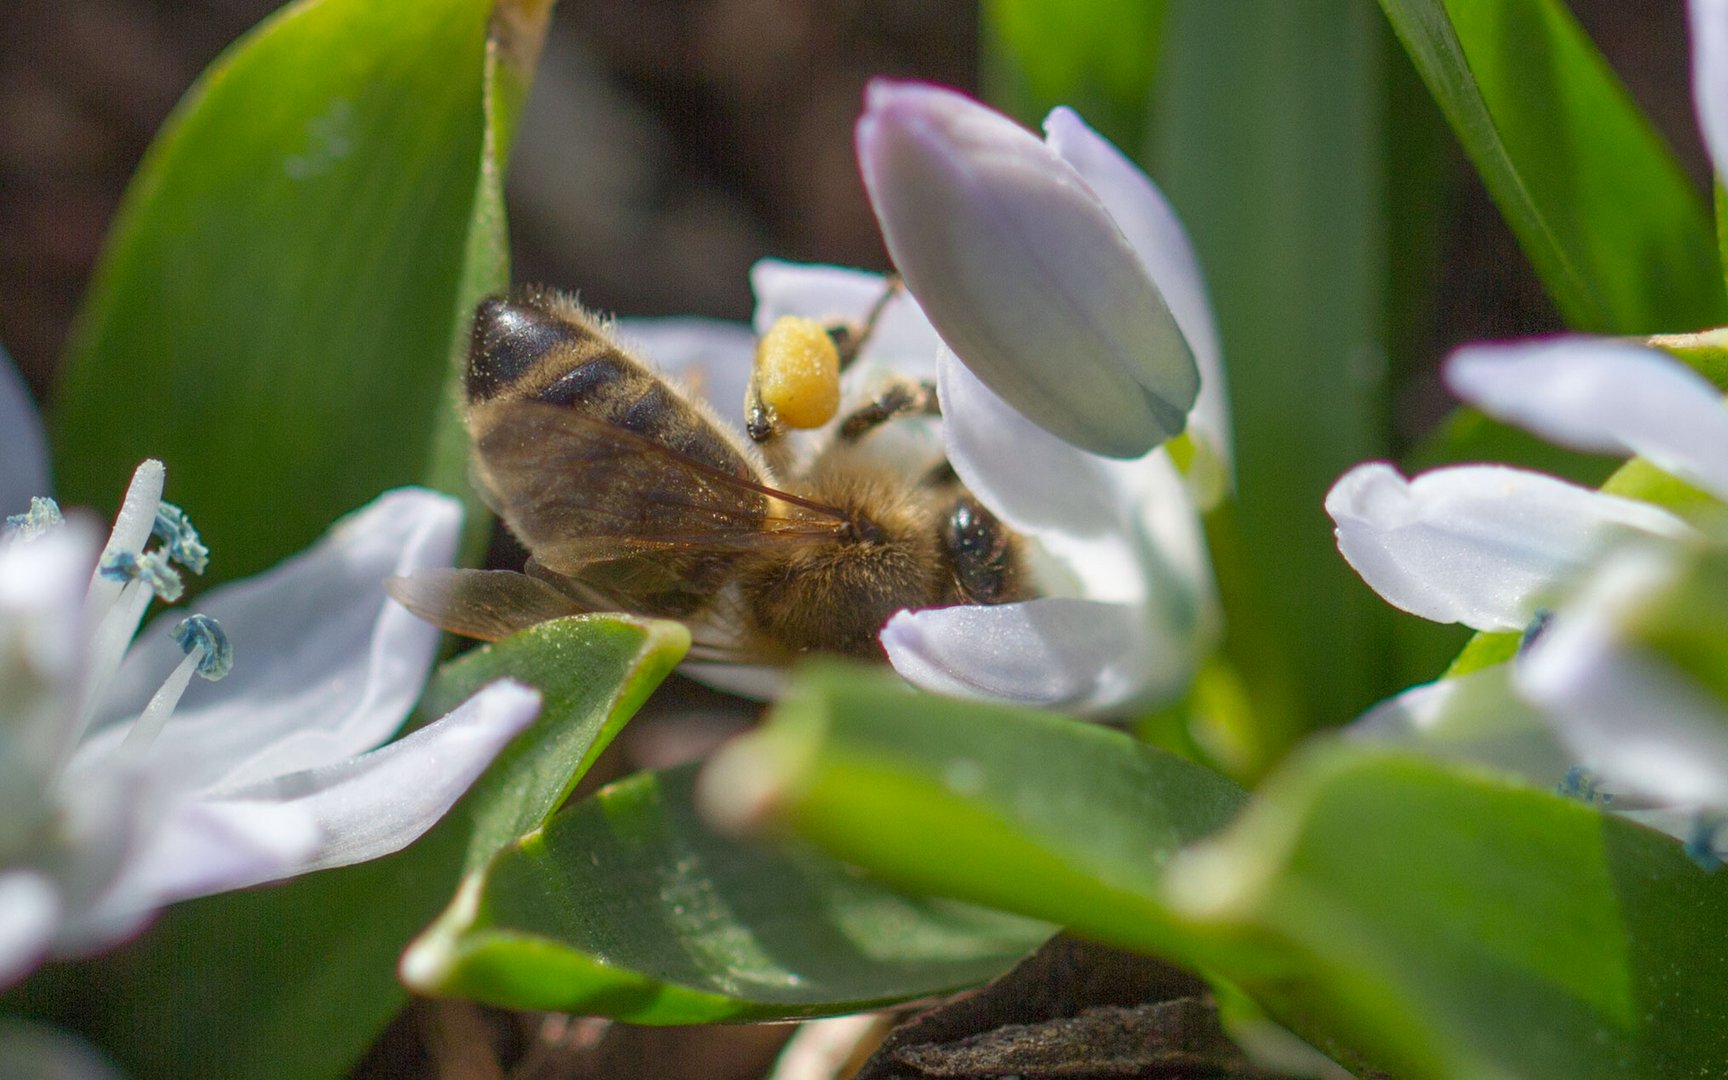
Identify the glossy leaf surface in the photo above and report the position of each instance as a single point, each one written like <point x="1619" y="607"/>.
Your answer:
<point x="627" y="905"/>
<point x="276" y="308"/>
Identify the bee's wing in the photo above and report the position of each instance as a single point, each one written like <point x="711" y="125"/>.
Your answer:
<point x="485" y="604"/>
<point x="578" y="490"/>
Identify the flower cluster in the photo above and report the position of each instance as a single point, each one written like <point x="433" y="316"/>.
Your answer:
<point x="123" y="787"/>
<point x="1593" y="703"/>
<point x="1054" y="300"/>
<point x="1612" y="696"/>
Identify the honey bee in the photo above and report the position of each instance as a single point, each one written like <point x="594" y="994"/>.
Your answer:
<point x="632" y="495"/>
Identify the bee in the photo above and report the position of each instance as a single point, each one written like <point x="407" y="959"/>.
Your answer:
<point x="632" y="495"/>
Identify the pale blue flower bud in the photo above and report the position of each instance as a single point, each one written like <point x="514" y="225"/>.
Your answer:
<point x="1022" y="270"/>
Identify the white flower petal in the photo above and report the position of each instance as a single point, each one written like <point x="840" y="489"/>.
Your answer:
<point x="1022" y="270"/>
<point x="1709" y="23"/>
<point x="712" y="356"/>
<point x="1476" y="718"/>
<point x="29" y="917"/>
<point x="42" y="636"/>
<point x="1157" y="236"/>
<point x="1481" y="545"/>
<point x="201" y="847"/>
<point x="326" y="666"/>
<point x="1126" y="532"/>
<point x="1635" y="721"/>
<point x="902" y="339"/>
<point x="1605" y="396"/>
<point x="382" y="801"/>
<point x="759" y="682"/>
<point x="109" y="821"/>
<point x="1084" y="655"/>
<point x="23" y="446"/>
<point x="1028" y="477"/>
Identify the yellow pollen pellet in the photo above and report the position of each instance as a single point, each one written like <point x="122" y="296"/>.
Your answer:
<point x="797" y="372"/>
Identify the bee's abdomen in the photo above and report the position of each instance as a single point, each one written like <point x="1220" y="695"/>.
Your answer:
<point x="538" y="346"/>
<point x="597" y="379"/>
<point x="509" y="340"/>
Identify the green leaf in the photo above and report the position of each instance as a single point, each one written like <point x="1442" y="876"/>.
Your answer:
<point x="593" y="672"/>
<point x="1424" y="919"/>
<point x="1448" y="923"/>
<point x="1272" y="145"/>
<point x="1604" y="212"/>
<point x="298" y="979"/>
<point x="1705" y="352"/>
<point x="628" y="906"/>
<point x="1096" y="56"/>
<point x="275" y="312"/>
<point x="1023" y="810"/>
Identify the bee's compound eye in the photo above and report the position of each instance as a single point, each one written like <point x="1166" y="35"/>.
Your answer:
<point x="979" y="546"/>
<point x="797" y="372"/>
<point x="508" y="338"/>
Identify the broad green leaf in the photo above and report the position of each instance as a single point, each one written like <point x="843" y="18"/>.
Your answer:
<point x="627" y="905"/>
<point x="1096" y="56"/>
<point x="1271" y="143"/>
<point x="593" y="672"/>
<point x="1035" y="813"/>
<point x="298" y="979"/>
<point x="275" y="311"/>
<point x="1607" y="217"/>
<point x="1445" y="923"/>
<point x="1424" y="919"/>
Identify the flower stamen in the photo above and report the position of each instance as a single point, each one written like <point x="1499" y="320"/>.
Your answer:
<point x="1701" y="841"/>
<point x="132" y="527"/>
<point x="208" y="654"/>
<point x="179" y="539"/>
<point x="1584" y="785"/>
<point x="204" y="635"/>
<point x="1533" y="632"/>
<point x="151" y="568"/>
<point x="43" y="515"/>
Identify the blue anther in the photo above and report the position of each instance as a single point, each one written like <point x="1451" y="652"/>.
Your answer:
<point x="1584" y="785"/>
<point x="44" y="514"/>
<point x="204" y="633"/>
<point x="1538" y="626"/>
<point x="179" y="538"/>
<point x="1701" y="841"/>
<point x="151" y="568"/>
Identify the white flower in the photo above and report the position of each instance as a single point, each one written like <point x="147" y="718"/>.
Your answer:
<point x="1586" y="705"/>
<point x="1587" y="711"/>
<point x="117" y="798"/>
<point x="1626" y="709"/>
<point x="1497" y="548"/>
<point x="1127" y="605"/>
<point x="1022" y="255"/>
<point x="1709" y="27"/>
<point x="1488" y="546"/>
